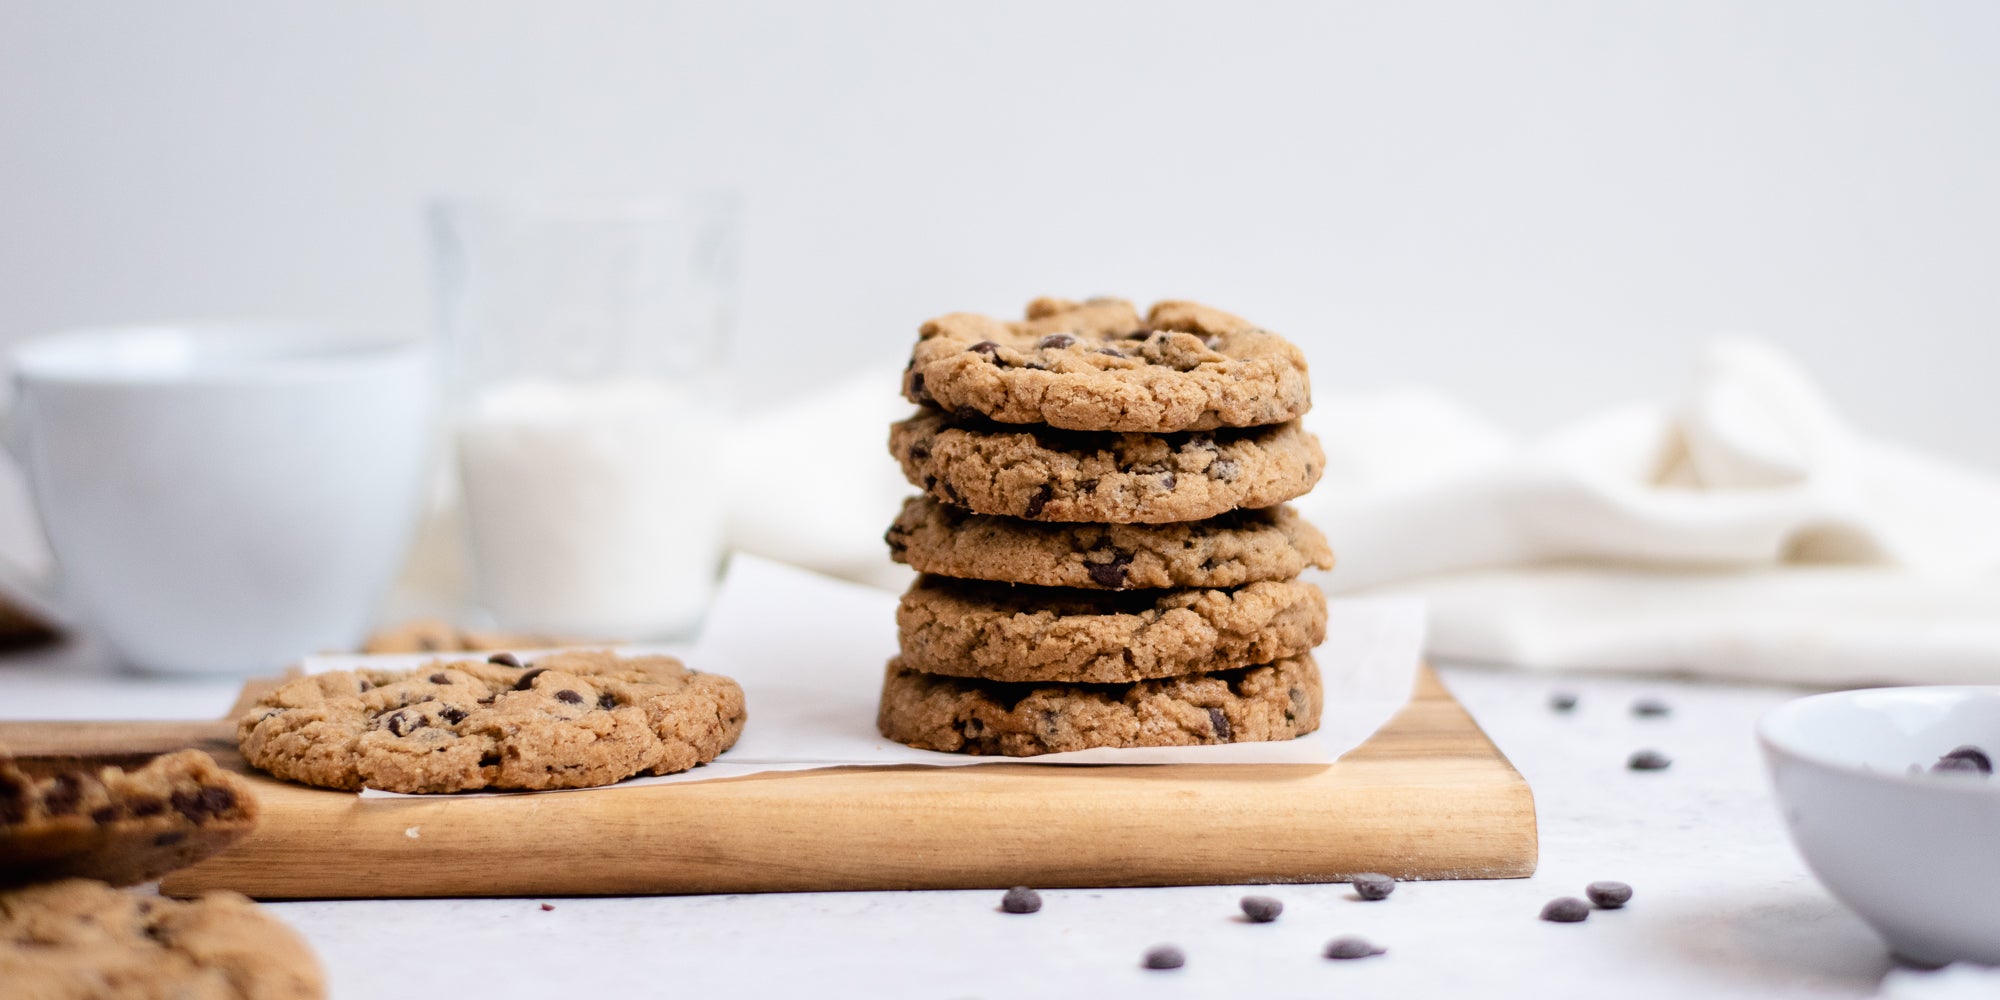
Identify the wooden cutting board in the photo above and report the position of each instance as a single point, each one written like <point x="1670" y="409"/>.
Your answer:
<point x="1428" y="797"/>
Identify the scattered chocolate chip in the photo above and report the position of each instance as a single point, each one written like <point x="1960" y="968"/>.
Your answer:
<point x="1167" y="481"/>
<point x="1039" y="500"/>
<point x="1140" y="334"/>
<point x="1566" y="910"/>
<point x="146" y="805"/>
<point x="527" y="680"/>
<point x="1352" y="947"/>
<point x="170" y="838"/>
<point x="546" y="907"/>
<point x="1224" y="469"/>
<point x="985" y="347"/>
<point x="1165" y="956"/>
<point x="1649" y="760"/>
<point x="1563" y="701"/>
<point x="1608" y="895"/>
<point x="919" y="453"/>
<point x="917" y="385"/>
<point x="975" y="726"/>
<point x="452" y="714"/>
<point x="1261" y="909"/>
<point x="365" y="686"/>
<point x="1372" y="885"/>
<point x="104" y="814"/>
<point x="1219" y="723"/>
<point x="1021" y="899"/>
<point x="1968" y="759"/>
<point x="440" y="679"/>
<point x="1111" y="352"/>
<point x="1111" y="575"/>
<point x="1056" y="340"/>
<point x="1651" y="708"/>
<point x="606" y="700"/>
<point x="568" y="697"/>
<point x="504" y="659"/>
<point x="490" y="760"/>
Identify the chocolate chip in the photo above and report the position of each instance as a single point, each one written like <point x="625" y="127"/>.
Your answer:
<point x="170" y="838"/>
<point x="1219" y="722"/>
<point x="440" y="679"/>
<point x="1261" y="909"/>
<point x="1224" y="469"/>
<point x="917" y="385"/>
<point x="527" y="680"/>
<point x="401" y="723"/>
<point x="1650" y="708"/>
<point x="1352" y="947"/>
<point x="199" y="805"/>
<point x="63" y="796"/>
<point x="490" y="760"/>
<point x="1969" y="759"/>
<point x="1563" y="701"/>
<point x="1609" y="895"/>
<point x="1140" y="334"/>
<point x="1649" y="760"/>
<point x="1111" y="575"/>
<point x="1165" y="956"/>
<point x="985" y="347"/>
<point x="606" y="700"/>
<point x="504" y="659"/>
<point x="1039" y="500"/>
<point x="1167" y="481"/>
<point x="1566" y="910"/>
<point x="1372" y="885"/>
<point x="1021" y="899"/>
<point x="1111" y="351"/>
<point x="145" y="805"/>
<point x="452" y="714"/>
<point x="568" y="697"/>
<point x="975" y="726"/>
<point x="365" y="686"/>
<point x="546" y="907"/>
<point x="1057" y="340"/>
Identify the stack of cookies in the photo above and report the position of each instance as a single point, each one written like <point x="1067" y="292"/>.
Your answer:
<point x="1105" y="553"/>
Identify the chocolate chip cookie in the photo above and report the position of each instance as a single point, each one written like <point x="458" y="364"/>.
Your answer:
<point x="1000" y="632"/>
<point x="1051" y="475"/>
<point x="1277" y="701"/>
<point x="1226" y="551"/>
<point x="567" y="720"/>
<point x="124" y="827"/>
<point x="78" y="938"/>
<point x="1096" y="366"/>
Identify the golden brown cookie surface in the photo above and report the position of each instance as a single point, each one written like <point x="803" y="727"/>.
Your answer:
<point x="572" y="719"/>
<point x="1097" y="366"/>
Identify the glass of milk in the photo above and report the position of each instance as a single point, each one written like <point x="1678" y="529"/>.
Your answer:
<point x="588" y="347"/>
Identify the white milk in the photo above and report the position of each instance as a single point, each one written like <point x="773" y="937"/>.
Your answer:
<point x="594" y="508"/>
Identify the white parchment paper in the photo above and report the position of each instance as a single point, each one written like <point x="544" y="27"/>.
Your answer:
<point x="810" y="652"/>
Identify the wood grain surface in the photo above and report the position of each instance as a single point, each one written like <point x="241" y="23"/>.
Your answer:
<point x="1428" y="797"/>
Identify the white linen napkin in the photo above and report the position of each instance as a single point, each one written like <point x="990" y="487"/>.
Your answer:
<point x="1745" y="532"/>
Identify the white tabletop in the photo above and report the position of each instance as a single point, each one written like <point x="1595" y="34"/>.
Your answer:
<point x="1723" y="905"/>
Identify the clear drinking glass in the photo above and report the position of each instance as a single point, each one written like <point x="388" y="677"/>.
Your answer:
<point x="588" y="346"/>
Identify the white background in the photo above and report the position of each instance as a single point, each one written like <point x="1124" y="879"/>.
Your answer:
<point x="1542" y="207"/>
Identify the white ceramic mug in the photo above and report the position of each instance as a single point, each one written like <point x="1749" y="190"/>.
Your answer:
<point x="224" y="498"/>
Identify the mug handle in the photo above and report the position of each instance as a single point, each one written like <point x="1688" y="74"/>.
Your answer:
<point x="34" y="598"/>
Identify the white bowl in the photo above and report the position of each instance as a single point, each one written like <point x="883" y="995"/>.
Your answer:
<point x="1916" y="855"/>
